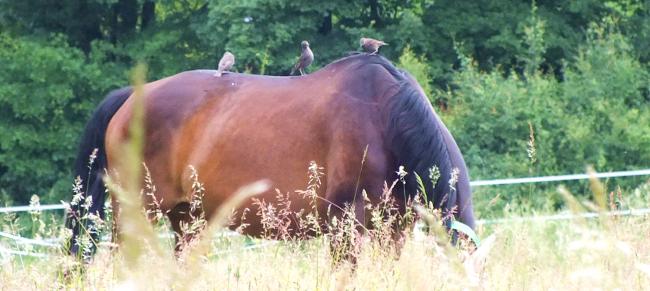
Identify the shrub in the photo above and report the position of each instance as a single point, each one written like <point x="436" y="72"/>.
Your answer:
<point x="46" y="94"/>
<point x="598" y="115"/>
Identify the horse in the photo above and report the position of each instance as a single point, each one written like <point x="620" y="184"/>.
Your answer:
<point x="360" y="118"/>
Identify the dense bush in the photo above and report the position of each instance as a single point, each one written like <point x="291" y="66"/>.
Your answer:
<point x="598" y="115"/>
<point x="46" y="93"/>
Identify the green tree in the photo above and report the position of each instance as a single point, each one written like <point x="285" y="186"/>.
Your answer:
<point x="416" y="66"/>
<point x="46" y="93"/>
<point x="597" y="116"/>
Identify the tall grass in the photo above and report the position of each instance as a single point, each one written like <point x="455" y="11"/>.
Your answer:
<point x="606" y="253"/>
<point x="560" y="255"/>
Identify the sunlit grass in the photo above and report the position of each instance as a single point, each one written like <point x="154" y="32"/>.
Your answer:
<point x="552" y="255"/>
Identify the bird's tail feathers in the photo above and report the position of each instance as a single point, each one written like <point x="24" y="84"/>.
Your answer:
<point x="293" y="69"/>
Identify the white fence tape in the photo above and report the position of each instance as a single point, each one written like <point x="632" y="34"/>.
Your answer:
<point x="565" y="216"/>
<point x="28" y="241"/>
<point x="509" y="181"/>
<point x="5" y="252"/>
<point x="246" y="248"/>
<point x="32" y="208"/>
<point x="559" y="178"/>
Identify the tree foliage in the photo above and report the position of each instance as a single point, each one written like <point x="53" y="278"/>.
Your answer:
<point x="46" y="93"/>
<point x="597" y="115"/>
<point x="576" y="70"/>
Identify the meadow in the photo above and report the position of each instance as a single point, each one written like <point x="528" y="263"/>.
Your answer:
<point x="603" y="253"/>
<point x="606" y="254"/>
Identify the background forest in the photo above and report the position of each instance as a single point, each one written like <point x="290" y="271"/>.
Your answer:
<point x="527" y="88"/>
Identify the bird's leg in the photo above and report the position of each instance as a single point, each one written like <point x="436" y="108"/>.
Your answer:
<point x="302" y="73"/>
<point x="375" y="52"/>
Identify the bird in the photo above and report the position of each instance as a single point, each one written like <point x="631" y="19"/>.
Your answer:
<point x="370" y="45"/>
<point x="225" y="64"/>
<point x="306" y="58"/>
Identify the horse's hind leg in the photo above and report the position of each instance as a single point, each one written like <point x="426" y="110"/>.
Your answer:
<point x="346" y="230"/>
<point x="347" y="179"/>
<point x="181" y="220"/>
<point x="115" y="230"/>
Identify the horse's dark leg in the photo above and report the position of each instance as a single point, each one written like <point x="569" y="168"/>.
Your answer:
<point x="347" y="232"/>
<point x="180" y="219"/>
<point x="390" y="235"/>
<point x="347" y="181"/>
<point x="115" y="229"/>
<point x="399" y="238"/>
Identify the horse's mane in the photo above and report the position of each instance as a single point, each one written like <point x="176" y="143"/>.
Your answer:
<point x="418" y="139"/>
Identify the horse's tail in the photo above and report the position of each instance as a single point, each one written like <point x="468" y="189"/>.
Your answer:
<point x="422" y="144"/>
<point x="89" y="166"/>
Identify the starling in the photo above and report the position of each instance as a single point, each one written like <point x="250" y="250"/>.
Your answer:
<point x="306" y="57"/>
<point x="225" y="64"/>
<point x="370" y="45"/>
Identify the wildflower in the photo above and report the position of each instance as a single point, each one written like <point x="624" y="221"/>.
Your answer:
<point x="454" y="178"/>
<point x="66" y="206"/>
<point x="313" y="167"/>
<point x="530" y="149"/>
<point x="335" y="221"/>
<point x="364" y="194"/>
<point x="434" y="175"/>
<point x="95" y="219"/>
<point x="87" y="202"/>
<point x="402" y="173"/>
<point x="315" y="172"/>
<point x="77" y="189"/>
<point x="92" y="158"/>
<point x="34" y="202"/>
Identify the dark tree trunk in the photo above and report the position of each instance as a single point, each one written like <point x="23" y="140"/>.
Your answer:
<point x="112" y="23"/>
<point x="375" y="13"/>
<point x="326" y="26"/>
<point x="128" y="16"/>
<point x="87" y="29"/>
<point x="148" y="13"/>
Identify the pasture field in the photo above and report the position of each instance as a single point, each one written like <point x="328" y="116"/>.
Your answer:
<point x="525" y="88"/>
<point x="607" y="253"/>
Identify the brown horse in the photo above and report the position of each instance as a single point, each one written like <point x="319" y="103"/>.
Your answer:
<point x="241" y="128"/>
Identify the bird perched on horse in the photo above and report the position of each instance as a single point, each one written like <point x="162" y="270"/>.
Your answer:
<point x="306" y="58"/>
<point x="225" y="64"/>
<point x="371" y="45"/>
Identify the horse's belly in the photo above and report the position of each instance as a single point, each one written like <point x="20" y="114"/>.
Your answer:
<point x="237" y="153"/>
